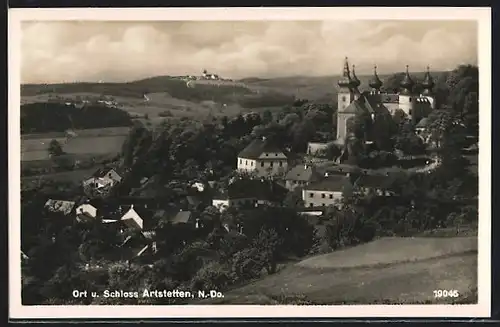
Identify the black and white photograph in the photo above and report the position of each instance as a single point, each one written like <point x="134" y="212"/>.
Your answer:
<point x="282" y="160"/>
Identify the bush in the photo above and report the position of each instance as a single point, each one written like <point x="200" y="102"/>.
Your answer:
<point x="212" y="276"/>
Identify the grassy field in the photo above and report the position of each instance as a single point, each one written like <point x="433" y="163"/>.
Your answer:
<point x="73" y="176"/>
<point x="36" y="149"/>
<point x="386" y="271"/>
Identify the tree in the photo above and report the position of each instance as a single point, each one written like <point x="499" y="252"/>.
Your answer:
<point x="267" y="116"/>
<point x="55" y="148"/>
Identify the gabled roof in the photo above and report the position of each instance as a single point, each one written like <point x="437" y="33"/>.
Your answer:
<point x="304" y="173"/>
<point x="101" y="172"/>
<point x="257" y="147"/>
<point x="335" y="183"/>
<point x="181" y="217"/>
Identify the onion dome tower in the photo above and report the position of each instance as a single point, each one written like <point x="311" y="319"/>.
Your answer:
<point x="375" y="82"/>
<point x="427" y="83"/>
<point x="407" y="83"/>
<point x="346" y="81"/>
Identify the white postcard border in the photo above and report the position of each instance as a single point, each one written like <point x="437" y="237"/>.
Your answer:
<point x="481" y="15"/>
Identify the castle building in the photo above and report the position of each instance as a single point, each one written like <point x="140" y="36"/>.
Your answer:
<point x="376" y="103"/>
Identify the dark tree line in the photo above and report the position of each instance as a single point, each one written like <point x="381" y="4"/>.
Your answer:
<point x="55" y="117"/>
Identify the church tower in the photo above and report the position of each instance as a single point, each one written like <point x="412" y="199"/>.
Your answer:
<point x="346" y="95"/>
<point x="406" y="94"/>
<point x="428" y="84"/>
<point x="375" y="82"/>
<point x="346" y="88"/>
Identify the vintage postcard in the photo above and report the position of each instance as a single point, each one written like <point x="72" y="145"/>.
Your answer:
<point x="278" y="162"/>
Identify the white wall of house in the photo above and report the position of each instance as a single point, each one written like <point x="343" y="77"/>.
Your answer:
<point x="223" y="204"/>
<point x="314" y="147"/>
<point x="112" y="174"/>
<point x="246" y="164"/>
<point x="85" y="211"/>
<point x="132" y="219"/>
<point x="268" y="162"/>
<point x="292" y="185"/>
<point x="314" y="198"/>
<point x="272" y="167"/>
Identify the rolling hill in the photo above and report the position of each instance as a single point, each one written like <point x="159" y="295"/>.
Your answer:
<point x="312" y="88"/>
<point x="388" y="270"/>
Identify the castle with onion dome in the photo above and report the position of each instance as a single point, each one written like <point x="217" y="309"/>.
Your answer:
<point x="375" y="102"/>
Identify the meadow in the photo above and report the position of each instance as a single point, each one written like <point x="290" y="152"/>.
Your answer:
<point x="385" y="271"/>
<point x="36" y="149"/>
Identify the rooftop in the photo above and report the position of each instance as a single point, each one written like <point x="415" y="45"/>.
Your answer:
<point x="62" y="206"/>
<point x="335" y="183"/>
<point x="257" y="147"/>
<point x="303" y="172"/>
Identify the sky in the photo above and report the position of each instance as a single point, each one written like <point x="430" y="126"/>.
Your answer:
<point x="70" y="51"/>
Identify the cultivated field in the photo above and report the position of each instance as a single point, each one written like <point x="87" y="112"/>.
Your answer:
<point x="391" y="270"/>
<point x="87" y="142"/>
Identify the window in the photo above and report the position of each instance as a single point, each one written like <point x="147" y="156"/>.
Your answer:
<point x="323" y="204"/>
<point x="310" y="205"/>
<point x="409" y="112"/>
<point x="267" y="154"/>
<point x="251" y="163"/>
<point x="271" y="164"/>
<point x="241" y="161"/>
<point x="275" y="154"/>
<point x="343" y="98"/>
<point x="281" y="163"/>
<point x="246" y="162"/>
<point x="262" y="164"/>
<point x="409" y="100"/>
<point x="322" y="195"/>
<point x="331" y="196"/>
<point x="311" y="195"/>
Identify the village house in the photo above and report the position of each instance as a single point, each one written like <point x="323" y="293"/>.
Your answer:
<point x="103" y="179"/>
<point x="86" y="211"/>
<point x="372" y="183"/>
<point x="60" y="206"/>
<point x="326" y="192"/>
<point x="301" y="175"/>
<point x="249" y="193"/>
<point x="263" y="158"/>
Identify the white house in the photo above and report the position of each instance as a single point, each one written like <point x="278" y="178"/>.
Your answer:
<point x="262" y="158"/>
<point x="301" y="175"/>
<point x="326" y="192"/>
<point x="85" y="212"/>
<point x="103" y="178"/>
<point x="132" y="219"/>
<point x="249" y="193"/>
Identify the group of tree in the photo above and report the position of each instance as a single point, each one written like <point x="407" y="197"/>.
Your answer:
<point x="56" y="117"/>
